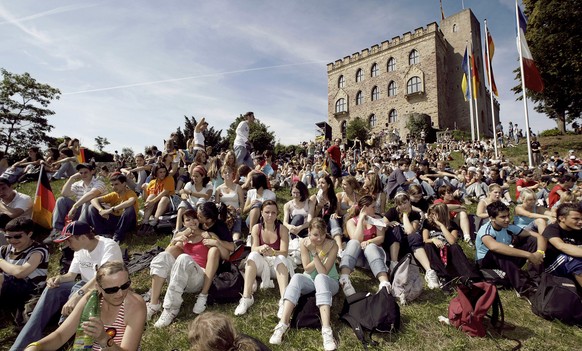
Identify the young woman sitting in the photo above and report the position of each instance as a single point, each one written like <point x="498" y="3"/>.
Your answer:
<point x="158" y="194"/>
<point x="528" y="215"/>
<point x="298" y="212"/>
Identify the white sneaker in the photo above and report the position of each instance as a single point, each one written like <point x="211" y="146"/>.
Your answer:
<point x="347" y="286"/>
<point x="166" y="318"/>
<point x="277" y="336"/>
<point x="200" y="305"/>
<point x="432" y="279"/>
<point x="152" y="309"/>
<point x="281" y="308"/>
<point x="386" y="285"/>
<point x="243" y="306"/>
<point x="328" y="340"/>
<point x="392" y="266"/>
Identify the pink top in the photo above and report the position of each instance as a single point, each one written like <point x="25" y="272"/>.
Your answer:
<point x="198" y="251"/>
<point x="369" y="233"/>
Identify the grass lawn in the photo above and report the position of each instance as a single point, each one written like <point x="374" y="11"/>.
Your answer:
<point x="420" y="327"/>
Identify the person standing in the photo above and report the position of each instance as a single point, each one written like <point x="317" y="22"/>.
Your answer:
<point x="241" y="149"/>
<point x="334" y="161"/>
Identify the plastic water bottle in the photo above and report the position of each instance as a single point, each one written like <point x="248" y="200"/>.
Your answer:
<point x="82" y="340"/>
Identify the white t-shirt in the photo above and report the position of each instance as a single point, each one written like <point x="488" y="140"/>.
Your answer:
<point x="242" y="134"/>
<point x="23" y="202"/>
<point x="85" y="262"/>
<point x="267" y="195"/>
<point x="193" y="200"/>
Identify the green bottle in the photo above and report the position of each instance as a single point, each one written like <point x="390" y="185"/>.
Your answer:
<point x="91" y="309"/>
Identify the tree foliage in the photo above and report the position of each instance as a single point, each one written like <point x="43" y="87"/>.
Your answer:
<point x="418" y="124"/>
<point x="23" y="112"/>
<point x="259" y="135"/>
<point x="554" y="39"/>
<point x="101" y="143"/>
<point x="212" y="137"/>
<point x="357" y="128"/>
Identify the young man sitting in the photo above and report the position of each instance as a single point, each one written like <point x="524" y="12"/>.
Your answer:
<point x="505" y="246"/>
<point x="564" y="255"/>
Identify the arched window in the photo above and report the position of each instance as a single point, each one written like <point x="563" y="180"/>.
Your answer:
<point x="340" y="105"/>
<point x="343" y="129"/>
<point x="375" y="93"/>
<point x="359" y="98"/>
<point x="359" y="75"/>
<point x="374" y="71"/>
<point x="391" y="64"/>
<point x="392" y="88"/>
<point x="372" y="121"/>
<point x="413" y="58"/>
<point x="413" y="85"/>
<point x="455" y="28"/>
<point x="392" y="116"/>
<point x="341" y="82"/>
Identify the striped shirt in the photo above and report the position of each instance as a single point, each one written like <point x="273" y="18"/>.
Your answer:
<point x="38" y="276"/>
<point x="118" y="325"/>
<point x="79" y="188"/>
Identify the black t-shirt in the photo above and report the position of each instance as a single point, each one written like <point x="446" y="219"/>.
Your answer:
<point x="554" y="230"/>
<point x="423" y="204"/>
<point x="221" y="230"/>
<point x="430" y="227"/>
<point x="392" y="215"/>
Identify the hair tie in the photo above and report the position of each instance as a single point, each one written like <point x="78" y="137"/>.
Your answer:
<point x="356" y="207"/>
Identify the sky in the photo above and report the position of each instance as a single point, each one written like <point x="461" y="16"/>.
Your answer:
<point x="131" y="70"/>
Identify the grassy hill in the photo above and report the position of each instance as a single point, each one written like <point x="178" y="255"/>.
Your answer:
<point x="420" y="328"/>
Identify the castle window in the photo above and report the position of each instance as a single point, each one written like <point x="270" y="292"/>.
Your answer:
<point x="413" y="85"/>
<point x="413" y="58"/>
<point x="375" y="93"/>
<point x="359" y="75"/>
<point x="392" y="116"/>
<point x="359" y="98"/>
<point x="391" y="64"/>
<point x="392" y="88"/>
<point x="372" y="121"/>
<point x="341" y="82"/>
<point x="455" y="28"/>
<point x="343" y="129"/>
<point x="340" y="105"/>
<point x="374" y="72"/>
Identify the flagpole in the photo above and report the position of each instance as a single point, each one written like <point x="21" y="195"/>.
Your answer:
<point x="37" y="187"/>
<point x="529" y="152"/>
<point x="470" y="83"/>
<point x="488" y="60"/>
<point x="475" y="95"/>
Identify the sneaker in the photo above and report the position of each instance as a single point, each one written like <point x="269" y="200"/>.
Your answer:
<point x="55" y="233"/>
<point x="347" y="287"/>
<point x="243" y="306"/>
<point x="281" y="309"/>
<point x="200" y="304"/>
<point x="277" y="336"/>
<point x="328" y="340"/>
<point x="147" y="296"/>
<point x="386" y="285"/>
<point x="152" y="309"/>
<point x="432" y="279"/>
<point x="166" y="318"/>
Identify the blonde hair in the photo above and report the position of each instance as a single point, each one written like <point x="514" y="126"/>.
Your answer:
<point x="526" y="193"/>
<point x="213" y="331"/>
<point x="442" y="213"/>
<point x="110" y="268"/>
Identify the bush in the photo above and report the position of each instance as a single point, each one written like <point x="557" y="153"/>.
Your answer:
<point x="550" y="132"/>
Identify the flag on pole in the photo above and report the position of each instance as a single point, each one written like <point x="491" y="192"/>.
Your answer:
<point x="464" y="83"/>
<point x="442" y="12"/>
<point x="474" y="77"/>
<point x="491" y="48"/>
<point x="81" y="156"/>
<point x="44" y="201"/>
<point x="531" y="75"/>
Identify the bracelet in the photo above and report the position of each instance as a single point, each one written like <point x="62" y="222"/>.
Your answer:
<point x="35" y="343"/>
<point x="542" y="252"/>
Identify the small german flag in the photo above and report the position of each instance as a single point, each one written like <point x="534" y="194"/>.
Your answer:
<point x="44" y="201"/>
<point x="81" y="156"/>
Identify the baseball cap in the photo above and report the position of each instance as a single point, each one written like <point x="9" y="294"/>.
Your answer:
<point x="73" y="228"/>
<point x="85" y="165"/>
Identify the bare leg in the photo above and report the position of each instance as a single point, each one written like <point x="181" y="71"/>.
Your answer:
<point x="394" y="249"/>
<point x="254" y="217"/>
<point x="157" y="283"/>
<point x="422" y="258"/>
<point x="338" y="241"/>
<point x="541" y="224"/>
<point x="147" y="211"/>
<point x="382" y="277"/>
<point x="282" y="278"/>
<point x="325" y="313"/>
<point x="288" y="307"/>
<point x="250" y="277"/>
<point x="162" y="206"/>
<point x="211" y="267"/>
<point x="464" y="222"/>
<point x="179" y="219"/>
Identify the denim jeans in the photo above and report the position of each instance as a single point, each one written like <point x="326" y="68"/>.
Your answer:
<point x="51" y="301"/>
<point x="66" y="170"/>
<point x="335" y="225"/>
<point x="243" y="157"/>
<point x="373" y="257"/>
<point x="302" y="284"/>
<point x="62" y="208"/>
<point x="116" y="226"/>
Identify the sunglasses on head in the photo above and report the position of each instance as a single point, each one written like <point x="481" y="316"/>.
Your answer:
<point x="15" y="237"/>
<point x="115" y="289"/>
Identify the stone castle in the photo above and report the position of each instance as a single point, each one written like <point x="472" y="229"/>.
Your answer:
<point x="418" y="72"/>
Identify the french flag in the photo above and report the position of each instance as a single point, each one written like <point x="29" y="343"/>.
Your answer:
<point x="531" y="75"/>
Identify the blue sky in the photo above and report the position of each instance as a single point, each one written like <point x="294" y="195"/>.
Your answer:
<point x="130" y="70"/>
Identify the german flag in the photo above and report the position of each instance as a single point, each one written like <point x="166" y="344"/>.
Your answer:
<point x="81" y="156"/>
<point x="44" y="201"/>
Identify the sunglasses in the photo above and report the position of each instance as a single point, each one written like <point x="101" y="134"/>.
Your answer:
<point x="115" y="289"/>
<point x="15" y="237"/>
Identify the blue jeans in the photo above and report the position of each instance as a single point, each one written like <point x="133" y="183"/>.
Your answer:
<point x="51" y="301"/>
<point x="302" y="284"/>
<point x="116" y="225"/>
<point x="373" y="256"/>
<point x="62" y="208"/>
<point x="243" y="157"/>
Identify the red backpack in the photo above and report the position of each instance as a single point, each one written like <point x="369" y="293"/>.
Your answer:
<point x="467" y="310"/>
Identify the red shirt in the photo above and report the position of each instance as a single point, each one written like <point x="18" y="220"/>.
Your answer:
<point x="452" y="202"/>
<point x="522" y="183"/>
<point x="335" y="154"/>
<point x="553" y="197"/>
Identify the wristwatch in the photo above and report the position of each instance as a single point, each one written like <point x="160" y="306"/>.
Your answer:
<point x="80" y="292"/>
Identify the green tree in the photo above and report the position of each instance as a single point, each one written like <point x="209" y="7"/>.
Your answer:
<point x="418" y="124"/>
<point x="212" y="137"/>
<point x="358" y="128"/>
<point x="554" y="39"/>
<point x="259" y="135"/>
<point x="23" y="112"/>
<point x="101" y="143"/>
<point x="127" y="153"/>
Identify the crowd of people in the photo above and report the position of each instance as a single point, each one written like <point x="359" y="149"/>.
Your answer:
<point x="394" y="199"/>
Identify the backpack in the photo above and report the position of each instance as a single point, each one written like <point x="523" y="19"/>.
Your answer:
<point x="557" y="298"/>
<point x="467" y="310"/>
<point x="406" y="282"/>
<point x="227" y="285"/>
<point x="374" y="312"/>
<point x="306" y="313"/>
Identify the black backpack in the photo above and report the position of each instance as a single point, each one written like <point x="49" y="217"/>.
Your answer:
<point x="306" y="313"/>
<point x="374" y="312"/>
<point x="557" y="298"/>
<point x="227" y="285"/>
